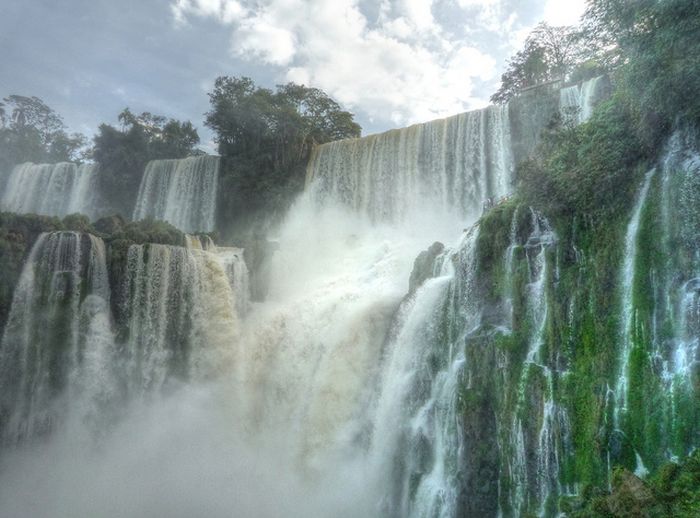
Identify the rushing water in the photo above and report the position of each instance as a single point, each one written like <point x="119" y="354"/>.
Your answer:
<point x="56" y="345"/>
<point x="51" y="189"/>
<point x="579" y="100"/>
<point x="658" y="314"/>
<point x="449" y="164"/>
<point x="627" y="285"/>
<point x="168" y="392"/>
<point x="181" y="192"/>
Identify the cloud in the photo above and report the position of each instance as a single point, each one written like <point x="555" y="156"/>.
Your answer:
<point x="557" y="12"/>
<point x="401" y="66"/>
<point x="406" y="62"/>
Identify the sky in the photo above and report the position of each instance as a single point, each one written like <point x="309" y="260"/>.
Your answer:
<point x="391" y="62"/>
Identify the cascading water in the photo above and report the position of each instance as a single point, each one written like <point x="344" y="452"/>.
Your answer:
<point x="314" y="381"/>
<point x="336" y="284"/>
<point x="658" y="352"/>
<point x="51" y="189"/>
<point x="237" y="274"/>
<point x="681" y="182"/>
<point x="340" y="394"/>
<point x="538" y="435"/>
<point x="627" y="285"/>
<point x="578" y="101"/>
<point x="452" y="164"/>
<point x="181" y="192"/>
<point x="416" y="437"/>
<point x="180" y="314"/>
<point x="56" y="349"/>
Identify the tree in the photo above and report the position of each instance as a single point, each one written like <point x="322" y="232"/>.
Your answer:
<point x="266" y="138"/>
<point x="30" y="131"/>
<point x="124" y="152"/>
<point x="549" y="53"/>
<point x="655" y="49"/>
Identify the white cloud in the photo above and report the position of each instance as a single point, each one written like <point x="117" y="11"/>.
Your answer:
<point x="403" y="66"/>
<point x="569" y="12"/>
<point x="226" y="10"/>
<point x="402" y="69"/>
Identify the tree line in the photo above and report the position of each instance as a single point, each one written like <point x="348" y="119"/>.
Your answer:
<point x="264" y="137"/>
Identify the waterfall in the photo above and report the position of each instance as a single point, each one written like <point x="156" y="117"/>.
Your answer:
<point x="416" y="437"/>
<point x="578" y="101"/>
<point x="181" y="192"/>
<point x="455" y="164"/>
<point x="58" y="337"/>
<point x="199" y="242"/>
<point x="676" y="319"/>
<point x="180" y="313"/>
<point x="237" y="274"/>
<point x="233" y="264"/>
<point x="534" y="444"/>
<point x="51" y="189"/>
<point x="181" y="308"/>
<point x="680" y="219"/>
<point x="627" y="319"/>
<point x="356" y="388"/>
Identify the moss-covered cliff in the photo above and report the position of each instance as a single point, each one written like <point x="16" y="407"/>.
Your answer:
<point x="585" y="356"/>
<point x="19" y="232"/>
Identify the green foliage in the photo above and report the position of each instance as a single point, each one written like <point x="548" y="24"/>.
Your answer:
<point x="672" y="492"/>
<point x="265" y="138"/>
<point x="30" y="131"/>
<point x="662" y="76"/>
<point x="589" y="169"/>
<point x="124" y="152"/>
<point x="147" y="231"/>
<point x="549" y="53"/>
<point x="655" y="49"/>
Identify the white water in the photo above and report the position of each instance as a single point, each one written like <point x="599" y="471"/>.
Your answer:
<point x="534" y="468"/>
<point x="579" y="101"/>
<point x="181" y="314"/>
<point x="627" y="319"/>
<point x="303" y="407"/>
<point x="452" y="165"/>
<point x="682" y="166"/>
<point x="58" y="331"/>
<point x="51" y="189"/>
<point x="181" y="192"/>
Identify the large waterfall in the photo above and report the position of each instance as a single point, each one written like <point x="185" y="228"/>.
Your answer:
<point x="377" y="378"/>
<point x="451" y="164"/>
<point x="64" y="351"/>
<point x="51" y="189"/>
<point x="181" y="192"/>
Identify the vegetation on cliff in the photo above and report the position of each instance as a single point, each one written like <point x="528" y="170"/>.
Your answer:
<point x="123" y="153"/>
<point x="584" y="178"/>
<point x="19" y="232"/>
<point x="31" y="131"/>
<point x="265" y="138"/>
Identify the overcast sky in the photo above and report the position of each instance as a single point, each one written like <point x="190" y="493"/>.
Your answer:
<point x="391" y="62"/>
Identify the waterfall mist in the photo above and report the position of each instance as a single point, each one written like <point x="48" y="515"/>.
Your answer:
<point x="377" y="378"/>
<point x="279" y="407"/>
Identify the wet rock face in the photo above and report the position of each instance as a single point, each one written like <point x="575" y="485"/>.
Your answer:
<point x="424" y="265"/>
<point x="480" y="457"/>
